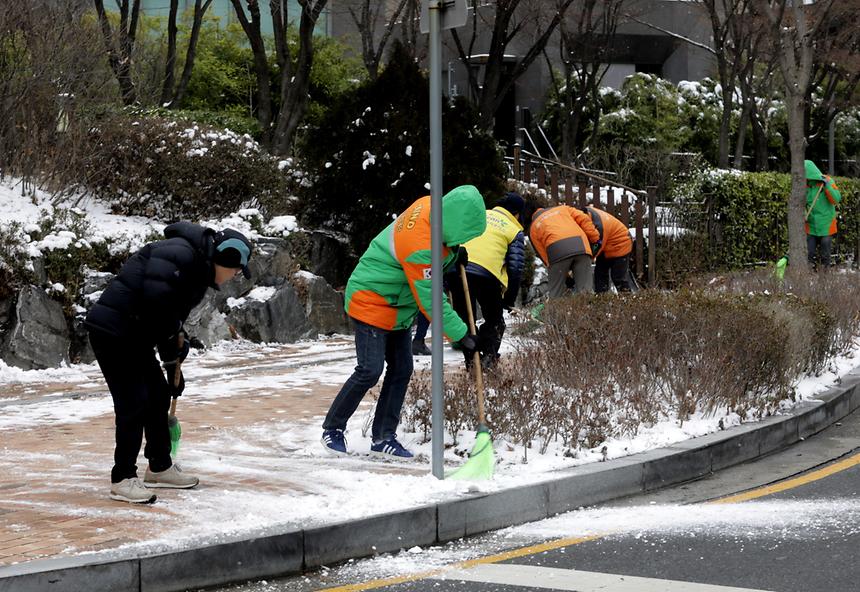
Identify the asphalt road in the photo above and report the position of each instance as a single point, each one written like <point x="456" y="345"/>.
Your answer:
<point x="793" y="525"/>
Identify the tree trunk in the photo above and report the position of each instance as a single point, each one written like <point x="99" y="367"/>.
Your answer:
<point x="170" y="63"/>
<point x="725" y="124"/>
<point x="295" y="82"/>
<point x="190" y="53"/>
<point x="261" y="65"/>
<point x="119" y="58"/>
<point x="742" y="136"/>
<point x="797" y="200"/>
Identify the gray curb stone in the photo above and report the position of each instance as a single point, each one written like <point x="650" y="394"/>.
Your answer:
<point x="271" y="554"/>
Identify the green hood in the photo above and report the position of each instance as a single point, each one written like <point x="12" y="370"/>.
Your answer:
<point x="464" y="215"/>
<point x="813" y="173"/>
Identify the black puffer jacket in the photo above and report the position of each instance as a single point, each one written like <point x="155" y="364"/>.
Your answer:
<point x="157" y="287"/>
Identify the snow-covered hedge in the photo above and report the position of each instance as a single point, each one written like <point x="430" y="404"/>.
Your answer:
<point x="167" y="169"/>
<point x="747" y="219"/>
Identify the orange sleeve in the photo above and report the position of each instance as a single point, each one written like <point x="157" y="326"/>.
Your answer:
<point x="583" y="219"/>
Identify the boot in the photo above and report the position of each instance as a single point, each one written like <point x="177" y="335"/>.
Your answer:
<point x="172" y="478"/>
<point x="132" y="491"/>
<point x="419" y="348"/>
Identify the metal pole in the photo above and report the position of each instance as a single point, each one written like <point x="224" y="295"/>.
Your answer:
<point x="438" y="417"/>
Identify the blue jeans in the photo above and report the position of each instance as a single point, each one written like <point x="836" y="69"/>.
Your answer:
<point x="818" y="248"/>
<point x="421" y="326"/>
<point x="374" y="348"/>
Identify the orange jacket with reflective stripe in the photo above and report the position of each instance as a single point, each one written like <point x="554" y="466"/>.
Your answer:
<point x="560" y="232"/>
<point x="615" y="238"/>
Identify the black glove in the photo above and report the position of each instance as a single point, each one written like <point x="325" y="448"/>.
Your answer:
<point x="173" y="389"/>
<point x="462" y="257"/>
<point x="170" y="351"/>
<point x="469" y="344"/>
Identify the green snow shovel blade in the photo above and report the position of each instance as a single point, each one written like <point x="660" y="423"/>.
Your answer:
<point x="175" y="430"/>
<point x="482" y="459"/>
<point x="172" y="421"/>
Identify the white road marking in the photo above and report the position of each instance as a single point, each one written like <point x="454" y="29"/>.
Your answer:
<point x="553" y="578"/>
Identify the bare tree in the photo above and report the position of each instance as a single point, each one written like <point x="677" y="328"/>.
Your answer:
<point x="51" y="71"/>
<point x="798" y="31"/>
<point x="170" y="96"/>
<point x="836" y="73"/>
<point x="410" y="29"/>
<point x="756" y="82"/>
<point x="120" y="45"/>
<point x="587" y="33"/>
<point x="251" y="26"/>
<point x="507" y="20"/>
<point x="723" y="15"/>
<point x="294" y="70"/>
<point x="368" y="15"/>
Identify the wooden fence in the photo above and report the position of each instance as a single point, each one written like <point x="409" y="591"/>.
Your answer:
<point x="565" y="184"/>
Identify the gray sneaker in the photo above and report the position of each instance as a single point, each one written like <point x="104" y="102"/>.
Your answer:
<point x="172" y="478"/>
<point x="132" y="491"/>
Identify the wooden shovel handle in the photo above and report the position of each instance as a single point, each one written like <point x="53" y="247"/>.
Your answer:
<point x="476" y="361"/>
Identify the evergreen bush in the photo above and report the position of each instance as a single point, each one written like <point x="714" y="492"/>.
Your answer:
<point x="747" y="216"/>
<point x="368" y="158"/>
<point x="171" y="170"/>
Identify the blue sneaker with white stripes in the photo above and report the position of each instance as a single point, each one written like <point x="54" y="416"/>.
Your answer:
<point x="334" y="441"/>
<point x="390" y="447"/>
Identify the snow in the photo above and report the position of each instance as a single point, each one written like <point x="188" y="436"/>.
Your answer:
<point x="281" y="225"/>
<point x="305" y="482"/>
<point x="284" y="449"/>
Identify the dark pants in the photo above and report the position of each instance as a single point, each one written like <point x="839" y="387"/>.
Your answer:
<point x="421" y="326"/>
<point x="487" y="292"/>
<point x="140" y="401"/>
<point x="583" y="277"/>
<point x="618" y="268"/>
<point x="374" y="348"/>
<point x="824" y="246"/>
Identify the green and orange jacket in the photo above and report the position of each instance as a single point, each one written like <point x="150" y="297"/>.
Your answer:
<point x="393" y="278"/>
<point x="821" y="216"/>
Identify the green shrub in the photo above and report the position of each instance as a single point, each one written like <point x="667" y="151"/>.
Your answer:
<point x="745" y="219"/>
<point x="163" y="168"/>
<point x="369" y="157"/>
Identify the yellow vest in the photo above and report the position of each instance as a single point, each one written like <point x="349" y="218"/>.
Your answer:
<point x="489" y="249"/>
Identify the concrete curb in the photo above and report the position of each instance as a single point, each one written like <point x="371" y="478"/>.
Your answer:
<point x="270" y="554"/>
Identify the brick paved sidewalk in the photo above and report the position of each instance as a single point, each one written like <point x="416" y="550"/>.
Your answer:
<point x="238" y="417"/>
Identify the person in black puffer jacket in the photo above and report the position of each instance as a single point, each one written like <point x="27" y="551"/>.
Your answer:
<point x="143" y="309"/>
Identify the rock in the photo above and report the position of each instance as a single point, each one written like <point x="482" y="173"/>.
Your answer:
<point x="279" y="319"/>
<point x="95" y="281"/>
<point x="80" y="351"/>
<point x="271" y="262"/>
<point x="206" y="322"/>
<point x="323" y="304"/>
<point x="331" y="257"/>
<point x="38" y="335"/>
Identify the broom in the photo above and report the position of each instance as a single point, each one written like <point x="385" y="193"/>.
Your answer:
<point x="482" y="458"/>
<point x="172" y="421"/>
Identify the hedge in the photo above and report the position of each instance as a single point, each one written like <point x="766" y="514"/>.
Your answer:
<point x="746" y="217"/>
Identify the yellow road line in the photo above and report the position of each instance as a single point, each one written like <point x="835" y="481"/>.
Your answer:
<point x="836" y="467"/>
<point x="845" y="463"/>
<point x="531" y="550"/>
